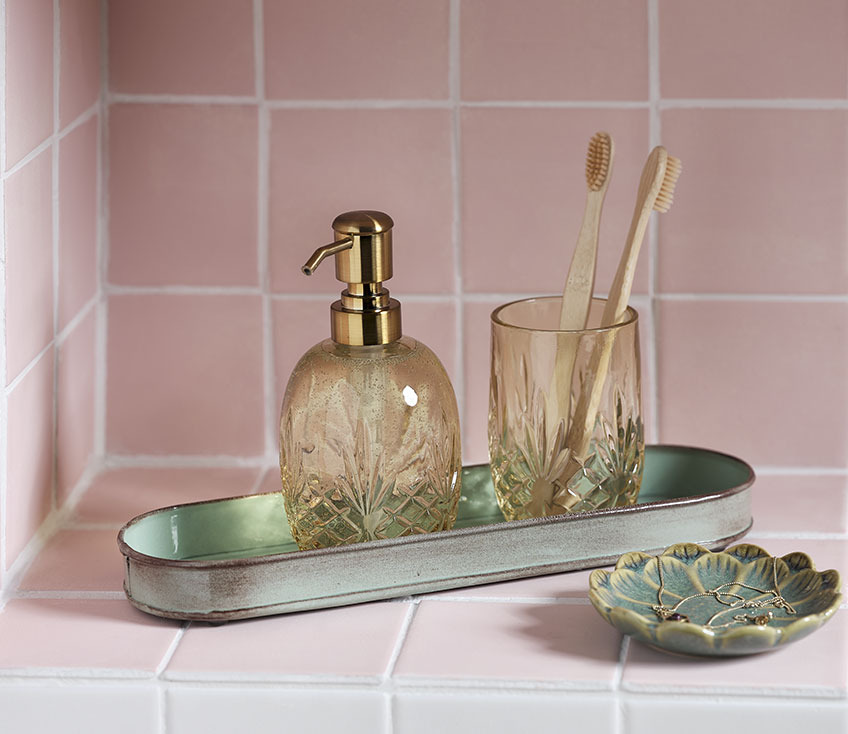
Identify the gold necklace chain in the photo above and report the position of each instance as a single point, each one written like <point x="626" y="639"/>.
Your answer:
<point x="729" y="599"/>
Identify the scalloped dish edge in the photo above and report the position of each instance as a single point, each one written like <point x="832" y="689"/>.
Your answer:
<point x="699" y="640"/>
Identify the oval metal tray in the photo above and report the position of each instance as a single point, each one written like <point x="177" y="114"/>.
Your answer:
<point x="235" y="558"/>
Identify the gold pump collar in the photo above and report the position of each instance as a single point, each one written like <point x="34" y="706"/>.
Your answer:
<point x="365" y="315"/>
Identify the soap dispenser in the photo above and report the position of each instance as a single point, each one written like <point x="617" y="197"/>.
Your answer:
<point x="369" y="428"/>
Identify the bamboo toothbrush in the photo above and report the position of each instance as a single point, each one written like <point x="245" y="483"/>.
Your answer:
<point x="577" y="295"/>
<point x="656" y="191"/>
<point x="580" y="282"/>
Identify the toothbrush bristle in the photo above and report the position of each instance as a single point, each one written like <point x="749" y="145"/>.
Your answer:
<point x="598" y="160"/>
<point x="673" y="167"/>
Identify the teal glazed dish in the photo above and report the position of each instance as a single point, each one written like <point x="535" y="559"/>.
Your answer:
<point x="693" y="601"/>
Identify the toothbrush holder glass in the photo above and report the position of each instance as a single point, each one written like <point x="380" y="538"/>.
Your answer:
<point x="565" y="421"/>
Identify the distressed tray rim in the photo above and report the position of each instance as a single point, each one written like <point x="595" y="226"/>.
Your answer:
<point x="417" y="544"/>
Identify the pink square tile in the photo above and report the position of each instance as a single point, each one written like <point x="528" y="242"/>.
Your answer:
<point x="298" y="326"/>
<point x="757" y="48"/>
<point x="181" y="47"/>
<point x="29" y="75"/>
<point x="79" y="75"/>
<point x="77" y="560"/>
<point x="801" y="503"/>
<point x="29" y="263"/>
<point x="78" y="212"/>
<point x="82" y="634"/>
<point x="477" y="347"/>
<point x="352" y="641"/>
<point x="757" y="212"/>
<point x="183" y="190"/>
<point x="643" y="305"/>
<point x="271" y="481"/>
<point x="185" y="375"/>
<point x="818" y="661"/>
<point x="75" y="405"/>
<point x="524" y="184"/>
<point x="29" y="478"/>
<point x="571" y="585"/>
<point x="766" y="381"/>
<point x="118" y="495"/>
<point x="378" y="49"/>
<point x="433" y="323"/>
<point x="546" y="49"/>
<point x="491" y="640"/>
<point x="401" y="164"/>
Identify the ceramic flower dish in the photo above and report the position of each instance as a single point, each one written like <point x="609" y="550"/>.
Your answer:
<point x="693" y="601"/>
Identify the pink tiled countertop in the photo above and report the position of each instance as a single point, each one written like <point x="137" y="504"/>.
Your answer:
<point x="493" y="658"/>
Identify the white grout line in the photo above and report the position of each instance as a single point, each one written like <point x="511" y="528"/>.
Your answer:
<point x="755" y="104"/>
<point x="178" y="461"/>
<point x="225" y="676"/>
<point x="801" y="471"/>
<point x="187" y="99"/>
<point x="449" y="596"/>
<point x="620" y="723"/>
<point x="454" y="86"/>
<point x="27" y="369"/>
<point x="163" y="687"/>
<point x="756" y="534"/>
<point x="172" y="648"/>
<point x="29" y="157"/>
<point x="769" y="693"/>
<point x="48" y="142"/>
<point x="4" y="407"/>
<point x="112" y="289"/>
<point x="401" y="639"/>
<point x="655" y="138"/>
<point x="449" y="297"/>
<point x="359" y="104"/>
<point x="665" y="103"/>
<point x="756" y="297"/>
<point x="57" y="341"/>
<point x="269" y="383"/>
<point x="71" y="595"/>
<point x="500" y="685"/>
<point x="74" y="674"/>
<point x="54" y="237"/>
<point x="387" y="683"/>
<point x="100" y="359"/>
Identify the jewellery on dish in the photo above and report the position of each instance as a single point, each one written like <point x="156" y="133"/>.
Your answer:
<point x="731" y="600"/>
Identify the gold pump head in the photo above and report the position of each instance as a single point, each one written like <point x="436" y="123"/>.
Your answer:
<point x="365" y="315"/>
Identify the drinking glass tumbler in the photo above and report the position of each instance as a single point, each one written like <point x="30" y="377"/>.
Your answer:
<point x="565" y="424"/>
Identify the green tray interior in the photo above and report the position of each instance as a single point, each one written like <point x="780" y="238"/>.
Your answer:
<point x="256" y="525"/>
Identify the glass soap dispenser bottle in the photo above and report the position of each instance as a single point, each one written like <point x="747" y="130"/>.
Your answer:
<point x="369" y="428"/>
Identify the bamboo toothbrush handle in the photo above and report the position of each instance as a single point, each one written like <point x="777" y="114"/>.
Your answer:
<point x="576" y="300"/>
<point x="583" y="424"/>
<point x="577" y="295"/>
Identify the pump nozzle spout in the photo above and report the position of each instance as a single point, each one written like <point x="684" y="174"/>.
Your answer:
<point x="325" y="251"/>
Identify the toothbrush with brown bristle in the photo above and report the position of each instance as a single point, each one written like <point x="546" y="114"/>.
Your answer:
<point x="656" y="192"/>
<point x="580" y="281"/>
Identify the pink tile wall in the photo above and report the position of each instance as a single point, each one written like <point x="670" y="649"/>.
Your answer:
<point x="237" y="131"/>
<point x="50" y="171"/>
<point x="467" y="121"/>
